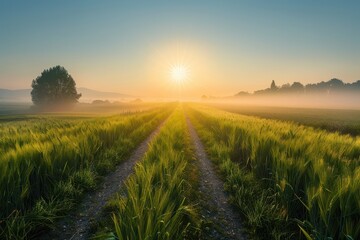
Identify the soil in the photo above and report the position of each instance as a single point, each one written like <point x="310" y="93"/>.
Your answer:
<point x="220" y="219"/>
<point x="77" y="225"/>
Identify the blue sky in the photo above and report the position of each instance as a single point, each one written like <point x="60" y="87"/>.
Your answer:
<point x="228" y="46"/>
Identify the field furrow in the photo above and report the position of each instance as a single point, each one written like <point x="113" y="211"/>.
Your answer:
<point x="78" y="224"/>
<point x="156" y="201"/>
<point x="42" y="182"/>
<point x="224" y="222"/>
<point x="287" y="181"/>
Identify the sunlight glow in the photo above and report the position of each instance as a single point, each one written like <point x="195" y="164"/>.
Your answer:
<point x="179" y="73"/>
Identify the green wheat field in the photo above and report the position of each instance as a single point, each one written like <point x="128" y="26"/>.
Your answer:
<point x="286" y="180"/>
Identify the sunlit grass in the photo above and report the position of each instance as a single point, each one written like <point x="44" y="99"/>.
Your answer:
<point x="310" y="178"/>
<point x="51" y="162"/>
<point x="287" y="180"/>
<point x="155" y="206"/>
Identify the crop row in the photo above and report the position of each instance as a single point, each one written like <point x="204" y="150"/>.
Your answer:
<point x="154" y="203"/>
<point x="46" y="164"/>
<point x="283" y="177"/>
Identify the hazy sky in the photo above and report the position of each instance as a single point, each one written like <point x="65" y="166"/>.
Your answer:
<point x="228" y="46"/>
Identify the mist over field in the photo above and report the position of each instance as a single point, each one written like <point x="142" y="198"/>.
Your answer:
<point x="329" y="101"/>
<point x="88" y="95"/>
<point x="332" y="94"/>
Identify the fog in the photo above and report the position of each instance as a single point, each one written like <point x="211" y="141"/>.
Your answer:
<point x="345" y="100"/>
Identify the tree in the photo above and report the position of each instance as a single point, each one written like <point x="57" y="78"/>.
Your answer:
<point x="53" y="88"/>
<point x="297" y="87"/>
<point x="273" y="85"/>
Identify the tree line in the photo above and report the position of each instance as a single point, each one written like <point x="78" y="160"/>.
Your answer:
<point x="332" y="86"/>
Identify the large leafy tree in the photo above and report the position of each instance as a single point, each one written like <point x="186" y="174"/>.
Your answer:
<point x="54" y="87"/>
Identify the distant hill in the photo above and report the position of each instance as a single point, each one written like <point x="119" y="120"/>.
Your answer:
<point x="88" y="95"/>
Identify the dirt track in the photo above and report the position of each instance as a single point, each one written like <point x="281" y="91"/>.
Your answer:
<point x="77" y="225"/>
<point x="221" y="219"/>
<point x="216" y="211"/>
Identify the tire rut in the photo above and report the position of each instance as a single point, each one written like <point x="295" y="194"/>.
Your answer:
<point x="225" y="223"/>
<point x="77" y="225"/>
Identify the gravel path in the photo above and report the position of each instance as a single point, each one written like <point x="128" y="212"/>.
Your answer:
<point x="78" y="224"/>
<point x="220" y="217"/>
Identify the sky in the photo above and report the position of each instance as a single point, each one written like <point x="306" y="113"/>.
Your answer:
<point x="226" y="46"/>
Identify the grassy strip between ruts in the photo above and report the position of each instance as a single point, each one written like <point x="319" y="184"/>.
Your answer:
<point x="44" y="178"/>
<point x="284" y="178"/>
<point x="155" y="202"/>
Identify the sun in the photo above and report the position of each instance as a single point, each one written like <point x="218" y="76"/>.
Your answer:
<point x="179" y="73"/>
